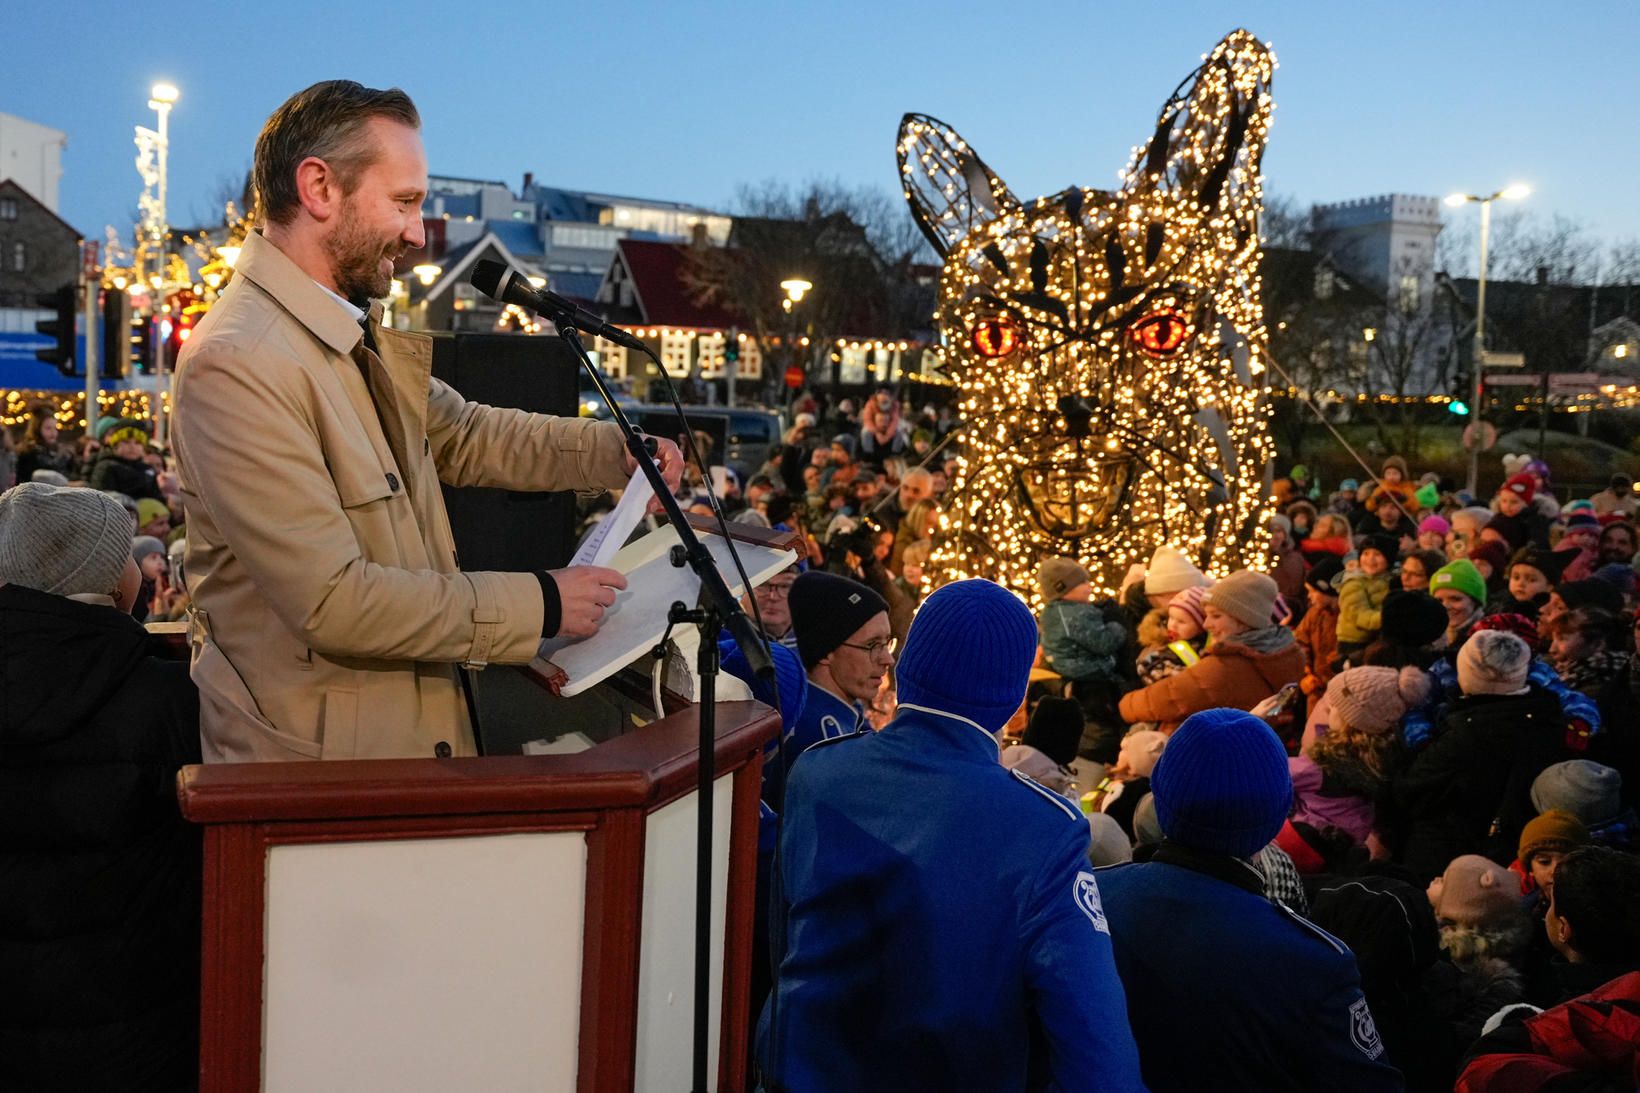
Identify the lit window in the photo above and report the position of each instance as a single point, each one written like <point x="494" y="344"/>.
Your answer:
<point x="19" y="258"/>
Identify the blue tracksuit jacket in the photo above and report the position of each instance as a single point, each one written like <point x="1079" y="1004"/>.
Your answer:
<point x="1226" y="990"/>
<point x="937" y="925"/>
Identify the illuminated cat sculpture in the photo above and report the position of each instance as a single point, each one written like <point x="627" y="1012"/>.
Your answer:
<point x="1108" y="346"/>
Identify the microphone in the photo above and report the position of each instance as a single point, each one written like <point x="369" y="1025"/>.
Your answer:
<point x="508" y="286"/>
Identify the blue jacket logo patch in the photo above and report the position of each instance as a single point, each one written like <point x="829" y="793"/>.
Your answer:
<point x="1362" y="1030"/>
<point x="1086" y="893"/>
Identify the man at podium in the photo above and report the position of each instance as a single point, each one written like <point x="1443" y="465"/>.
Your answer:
<point x="331" y="612"/>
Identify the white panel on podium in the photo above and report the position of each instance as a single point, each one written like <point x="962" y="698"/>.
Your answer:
<point x="666" y="963"/>
<point x="424" y="964"/>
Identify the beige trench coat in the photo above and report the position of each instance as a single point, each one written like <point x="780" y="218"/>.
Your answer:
<point x="330" y="607"/>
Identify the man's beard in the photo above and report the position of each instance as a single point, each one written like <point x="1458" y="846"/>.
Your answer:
<point x="356" y="260"/>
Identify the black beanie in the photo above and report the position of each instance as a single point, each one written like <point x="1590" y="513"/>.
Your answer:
<point x="1590" y="592"/>
<point x="1413" y="619"/>
<point x="1321" y="574"/>
<point x="1056" y="729"/>
<point x="826" y="610"/>
<point x="1387" y="545"/>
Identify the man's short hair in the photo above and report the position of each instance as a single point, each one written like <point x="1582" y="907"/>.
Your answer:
<point x="327" y="121"/>
<point x="1597" y="890"/>
<point x="916" y="475"/>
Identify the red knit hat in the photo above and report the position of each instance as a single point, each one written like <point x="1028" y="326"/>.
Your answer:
<point x="1522" y="486"/>
<point x="1519" y="625"/>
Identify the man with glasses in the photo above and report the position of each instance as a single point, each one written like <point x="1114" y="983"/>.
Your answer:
<point x="774" y="609"/>
<point x="846" y="645"/>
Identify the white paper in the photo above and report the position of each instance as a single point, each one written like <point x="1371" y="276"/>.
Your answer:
<point x="611" y="533"/>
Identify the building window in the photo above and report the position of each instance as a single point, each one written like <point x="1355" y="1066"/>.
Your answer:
<point x="676" y="346"/>
<point x="19" y="258"/>
<point x="855" y="360"/>
<point x="611" y="358"/>
<point x="1324" y="282"/>
<point x="8" y="208"/>
<point x="711" y="355"/>
<point x="751" y="359"/>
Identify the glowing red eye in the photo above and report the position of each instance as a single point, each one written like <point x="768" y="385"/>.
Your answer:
<point x="1161" y="332"/>
<point x="995" y="337"/>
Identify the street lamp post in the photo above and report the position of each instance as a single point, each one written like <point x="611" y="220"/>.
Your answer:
<point x="795" y="288"/>
<point x="1509" y="193"/>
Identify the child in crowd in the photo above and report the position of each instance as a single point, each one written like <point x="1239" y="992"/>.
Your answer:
<point x="1080" y="642"/>
<point x="1582" y="539"/>
<point x="1432" y="532"/>
<point x="1467" y="791"/>
<point x="1533" y="573"/>
<point x="1486" y="934"/>
<point x="1340" y="774"/>
<point x="1330" y="535"/>
<point x="1392" y="482"/>
<point x="1548" y="838"/>
<point x="1585" y="647"/>
<point x="1361" y="595"/>
<point x="1517" y="520"/>
<point x="1317" y="632"/>
<point x="1173" y="639"/>
<point x="1589" y="592"/>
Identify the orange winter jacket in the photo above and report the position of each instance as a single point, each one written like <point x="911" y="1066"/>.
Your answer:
<point x="1229" y="674"/>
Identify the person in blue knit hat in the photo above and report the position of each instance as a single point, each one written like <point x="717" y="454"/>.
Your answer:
<point x="936" y="921"/>
<point x="1225" y="988"/>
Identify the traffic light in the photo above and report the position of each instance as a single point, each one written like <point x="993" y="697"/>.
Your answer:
<point x="116" y="335"/>
<point x="60" y="327"/>
<point x="1461" y="388"/>
<point x="178" y="325"/>
<point x="731" y="347"/>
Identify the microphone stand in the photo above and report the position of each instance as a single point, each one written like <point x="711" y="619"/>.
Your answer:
<point x="718" y="608"/>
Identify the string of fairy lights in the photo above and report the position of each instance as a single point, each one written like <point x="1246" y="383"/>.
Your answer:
<point x="1108" y="347"/>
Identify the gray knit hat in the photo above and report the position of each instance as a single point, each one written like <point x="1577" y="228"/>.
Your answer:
<point x="63" y="540"/>
<point x="1593" y="792"/>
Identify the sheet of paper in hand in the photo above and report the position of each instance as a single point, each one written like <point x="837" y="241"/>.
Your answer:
<point x="636" y="621"/>
<point x="611" y="533"/>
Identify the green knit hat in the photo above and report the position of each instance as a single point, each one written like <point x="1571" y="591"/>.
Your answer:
<point x="1460" y="576"/>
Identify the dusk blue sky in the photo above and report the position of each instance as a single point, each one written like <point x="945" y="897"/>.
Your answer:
<point x="687" y="101"/>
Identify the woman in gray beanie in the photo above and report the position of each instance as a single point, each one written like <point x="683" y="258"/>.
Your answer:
<point x="99" y="913"/>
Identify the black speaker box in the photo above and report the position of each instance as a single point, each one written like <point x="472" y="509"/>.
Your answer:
<point x="503" y="529"/>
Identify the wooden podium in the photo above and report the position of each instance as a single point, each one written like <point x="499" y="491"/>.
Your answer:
<point x="487" y="924"/>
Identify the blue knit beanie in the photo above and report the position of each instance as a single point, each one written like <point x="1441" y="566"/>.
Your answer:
<point x="789" y="679"/>
<point x="1222" y="783"/>
<point x="969" y="653"/>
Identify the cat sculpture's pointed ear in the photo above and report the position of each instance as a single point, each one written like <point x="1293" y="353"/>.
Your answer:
<point x="1204" y="154"/>
<point x="950" y="189"/>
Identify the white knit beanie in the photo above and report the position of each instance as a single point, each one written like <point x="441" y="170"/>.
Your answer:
<point x="1169" y="572"/>
<point x="1493" y="662"/>
<point x="63" y="540"/>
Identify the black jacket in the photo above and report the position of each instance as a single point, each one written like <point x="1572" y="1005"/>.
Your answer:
<point x="1468" y="792"/>
<point x="99" y="874"/>
<point x="132" y="477"/>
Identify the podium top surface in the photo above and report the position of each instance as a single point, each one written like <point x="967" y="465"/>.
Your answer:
<point x="646" y="768"/>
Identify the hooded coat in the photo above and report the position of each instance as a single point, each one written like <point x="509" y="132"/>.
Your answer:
<point x="99" y="873"/>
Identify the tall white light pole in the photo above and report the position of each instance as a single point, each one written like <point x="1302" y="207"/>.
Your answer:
<point x="1508" y="193"/>
<point x="161" y="97"/>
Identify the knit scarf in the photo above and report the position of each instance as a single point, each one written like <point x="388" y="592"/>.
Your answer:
<point x="1589" y="674"/>
<point x="1270" y="639"/>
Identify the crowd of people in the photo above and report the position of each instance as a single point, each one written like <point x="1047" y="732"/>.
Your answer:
<point x="1372" y="805"/>
<point x="1453" y="688"/>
